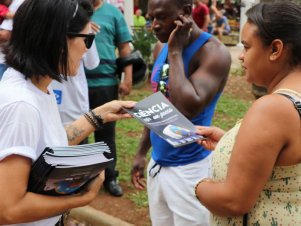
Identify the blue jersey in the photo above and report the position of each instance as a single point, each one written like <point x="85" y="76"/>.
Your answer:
<point x="163" y="153"/>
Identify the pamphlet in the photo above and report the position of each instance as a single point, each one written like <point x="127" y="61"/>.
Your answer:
<point x="158" y="114"/>
<point x="66" y="170"/>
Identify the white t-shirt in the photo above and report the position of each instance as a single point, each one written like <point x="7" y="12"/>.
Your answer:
<point x="29" y="122"/>
<point x="72" y="95"/>
<point x="7" y="24"/>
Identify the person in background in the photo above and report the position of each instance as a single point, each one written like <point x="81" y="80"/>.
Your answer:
<point x="256" y="166"/>
<point x="72" y="95"/>
<point x="148" y="22"/>
<point x="222" y="26"/>
<point x="200" y="14"/>
<point x="4" y="10"/>
<point x="5" y="32"/>
<point x="103" y="82"/>
<point x="211" y="4"/>
<point x="198" y="69"/>
<point x="139" y="20"/>
<point x="135" y="7"/>
<point x="230" y="9"/>
<point x="57" y="36"/>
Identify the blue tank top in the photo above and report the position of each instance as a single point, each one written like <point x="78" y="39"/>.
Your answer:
<point x="163" y="153"/>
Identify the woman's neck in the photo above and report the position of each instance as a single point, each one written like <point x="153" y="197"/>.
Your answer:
<point x="41" y="83"/>
<point x="289" y="78"/>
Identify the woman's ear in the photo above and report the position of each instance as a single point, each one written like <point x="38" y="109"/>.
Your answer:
<point x="276" y="49"/>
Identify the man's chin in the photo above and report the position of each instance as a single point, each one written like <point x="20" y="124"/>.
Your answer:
<point x="162" y="39"/>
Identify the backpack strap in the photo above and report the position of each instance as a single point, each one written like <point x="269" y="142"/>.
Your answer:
<point x="296" y="103"/>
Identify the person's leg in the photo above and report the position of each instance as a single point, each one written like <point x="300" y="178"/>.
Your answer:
<point x="99" y="96"/>
<point x="220" y="33"/>
<point x="107" y="134"/>
<point x="178" y="188"/>
<point x="210" y="29"/>
<point x="159" y="211"/>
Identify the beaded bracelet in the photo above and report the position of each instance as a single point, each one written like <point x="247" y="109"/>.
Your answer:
<point x="89" y="119"/>
<point x="196" y="186"/>
<point x="98" y="119"/>
<point x="92" y="120"/>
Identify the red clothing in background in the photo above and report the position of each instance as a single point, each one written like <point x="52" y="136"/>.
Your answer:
<point x="199" y="13"/>
<point x="135" y="8"/>
<point x="3" y="11"/>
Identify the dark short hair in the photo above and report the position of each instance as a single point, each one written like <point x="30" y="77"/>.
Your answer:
<point x="279" y="20"/>
<point x="38" y="44"/>
<point x="181" y="3"/>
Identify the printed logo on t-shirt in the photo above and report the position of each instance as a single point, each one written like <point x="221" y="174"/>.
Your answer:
<point x="58" y="96"/>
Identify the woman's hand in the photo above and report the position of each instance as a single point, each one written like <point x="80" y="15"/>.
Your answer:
<point x="91" y="191"/>
<point x="113" y="110"/>
<point x="212" y="136"/>
<point x="95" y="28"/>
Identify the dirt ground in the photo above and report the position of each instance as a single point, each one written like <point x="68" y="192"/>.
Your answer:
<point x="238" y="87"/>
<point x="123" y="207"/>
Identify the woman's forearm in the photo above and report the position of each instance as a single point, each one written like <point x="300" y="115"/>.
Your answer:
<point x="219" y="199"/>
<point x="78" y="130"/>
<point x="33" y="207"/>
<point x="109" y="112"/>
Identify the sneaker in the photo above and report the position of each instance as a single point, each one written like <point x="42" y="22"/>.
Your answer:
<point x="113" y="188"/>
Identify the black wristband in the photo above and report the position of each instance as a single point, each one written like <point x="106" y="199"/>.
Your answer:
<point x="98" y="118"/>
<point x="92" y="120"/>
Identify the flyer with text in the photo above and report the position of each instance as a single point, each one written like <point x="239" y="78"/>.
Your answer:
<point x="159" y="115"/>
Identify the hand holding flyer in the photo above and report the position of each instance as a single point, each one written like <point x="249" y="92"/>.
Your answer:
<point x="159" y="115"/>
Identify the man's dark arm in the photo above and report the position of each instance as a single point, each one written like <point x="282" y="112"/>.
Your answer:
<point x="140" y="161"/>
<point x="211" y="65"/>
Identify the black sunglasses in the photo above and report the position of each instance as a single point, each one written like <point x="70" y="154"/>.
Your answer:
<point x="88" y="38"/>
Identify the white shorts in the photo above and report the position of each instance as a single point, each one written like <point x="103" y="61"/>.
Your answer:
<point x="171" y="196"/>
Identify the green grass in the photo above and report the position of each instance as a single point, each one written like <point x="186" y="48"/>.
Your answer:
<point x="229" y="110"/>
<point x="237" y="71"/>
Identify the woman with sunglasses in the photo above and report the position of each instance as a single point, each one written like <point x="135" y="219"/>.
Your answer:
<point x="48" y="40"/>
